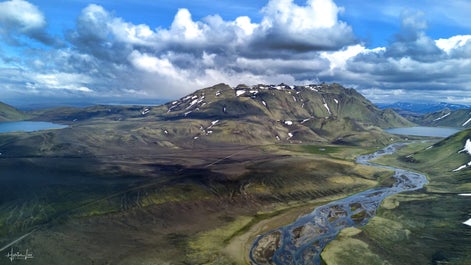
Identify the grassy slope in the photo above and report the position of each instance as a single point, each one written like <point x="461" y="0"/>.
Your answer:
<point x="423" y="227"/>
<point x="9" y="113"/>
<point x="119" y="172"/>
<point x="173" y="202"/>
<point x="455" y="118"/>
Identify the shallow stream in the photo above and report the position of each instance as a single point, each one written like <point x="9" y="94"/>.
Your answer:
<point x="302" y="241"/>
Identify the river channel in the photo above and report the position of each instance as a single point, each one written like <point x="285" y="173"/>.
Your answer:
<point x="302" y="241"/>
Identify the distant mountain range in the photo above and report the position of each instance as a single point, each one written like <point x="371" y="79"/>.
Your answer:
<point x="460" y="118"/>
<point x="420" y="108"/>
<point x="433" y="114"/>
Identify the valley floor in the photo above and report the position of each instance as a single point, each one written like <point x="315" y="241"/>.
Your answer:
<point x="421" y="227"/>
<point x="207" y="204"/>
<point x="177" y="206"/>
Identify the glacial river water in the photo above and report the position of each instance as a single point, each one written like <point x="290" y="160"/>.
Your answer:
<point x="302" y="241"/>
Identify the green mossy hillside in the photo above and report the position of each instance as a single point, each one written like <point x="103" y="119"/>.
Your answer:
<point x="9" y="113"/>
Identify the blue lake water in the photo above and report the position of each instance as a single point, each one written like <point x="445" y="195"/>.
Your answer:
<point x="28" y="126"/>
<point x="424" y="131"/>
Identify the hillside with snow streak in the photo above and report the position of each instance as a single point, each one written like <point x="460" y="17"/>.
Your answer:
<point x="316" y="112"/>
<point x="466" y="149"/>
<point x="460" y="118"/>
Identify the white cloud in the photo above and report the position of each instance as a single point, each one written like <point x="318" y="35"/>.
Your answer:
<point x="245" y="24"/>
<point x="208" y="59"/>
<point x="293" y="42"/>
<point x="449" y="44"/>
<point x="166" y="61"/>
<point x="133" y="34"/>
<point x="20" y="21"/>
<point x="60" y="81"/>
<point x="314" y="26"/>
<point x="338" y="59"/>
<point x="273" y="66"/>
<point x="152" y="64"/>
<point x="21" y="15"/>
<point x="184" y="26"/>
<point x="315" y="15"/>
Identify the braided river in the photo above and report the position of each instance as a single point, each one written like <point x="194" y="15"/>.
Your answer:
<point x="302" y="241"/>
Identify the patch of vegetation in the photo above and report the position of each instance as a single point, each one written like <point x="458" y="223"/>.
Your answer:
<point x="421" y="227"/>
<point x="9" y="113"/>
<point x="206" y="247"/>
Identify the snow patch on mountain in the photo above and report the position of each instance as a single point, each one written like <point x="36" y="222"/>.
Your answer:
<point x="467" y="149"/>
<point x="240" y="92"/>
<point x="466" y="122"/>
<point x="305" y="120"/>
<point x="145" y="111"/>
<point x="326" y="106"/>
<point x="442" y="117"/>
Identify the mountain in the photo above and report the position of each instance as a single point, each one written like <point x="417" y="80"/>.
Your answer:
<point x="409" y="108"/>
<point x="460" y="118"/>
<point x="9" y="113"/>
<point x="260" y="114"/>
<point x="296" y="113"/>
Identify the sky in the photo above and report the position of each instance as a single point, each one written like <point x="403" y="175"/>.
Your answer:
<point x="391" y="50"/>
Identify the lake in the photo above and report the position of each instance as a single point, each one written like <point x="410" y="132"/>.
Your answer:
<point x="424" y="131"/>
<point x="28" y="126"/>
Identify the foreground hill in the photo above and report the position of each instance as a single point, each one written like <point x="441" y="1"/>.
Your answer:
<point x="449" y="156"/>
<point x="9" y="113"/>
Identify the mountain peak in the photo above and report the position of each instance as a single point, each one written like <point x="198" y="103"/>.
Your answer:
<point x="259" y="114"/>
<point x="315" y="112"/>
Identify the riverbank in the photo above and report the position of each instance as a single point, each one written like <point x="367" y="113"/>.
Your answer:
<point x="302" y="241"/>
<point x="420" y="227"/>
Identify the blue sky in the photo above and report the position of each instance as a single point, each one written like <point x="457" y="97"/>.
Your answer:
<point x="135" y="49"/>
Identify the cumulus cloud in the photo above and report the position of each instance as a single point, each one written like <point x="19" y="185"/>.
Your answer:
<point x="315" y="26"/>
<point x="454" y="44"/>
<point x="411" y="64"/>
<point x="172" y="61"/>
<point x="291" y="43"/>
<point x="412" y="40"/>
<point x="20" y="18"/>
